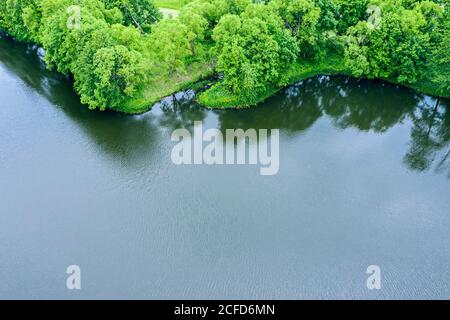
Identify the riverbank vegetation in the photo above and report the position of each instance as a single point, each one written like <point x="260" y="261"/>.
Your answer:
<point x="123" y="55"/>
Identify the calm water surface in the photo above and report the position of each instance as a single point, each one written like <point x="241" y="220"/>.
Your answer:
<point x="364" y="180"/>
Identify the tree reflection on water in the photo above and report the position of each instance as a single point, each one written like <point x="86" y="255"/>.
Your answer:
<point x="369" y="106"/>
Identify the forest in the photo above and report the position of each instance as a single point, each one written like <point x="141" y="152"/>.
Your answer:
<point x="125" y="55"/>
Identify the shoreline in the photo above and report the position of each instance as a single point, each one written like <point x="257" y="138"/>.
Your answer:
<point x="217" y="96"/>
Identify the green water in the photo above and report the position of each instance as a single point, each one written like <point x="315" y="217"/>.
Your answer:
<point x="363" y="180"/>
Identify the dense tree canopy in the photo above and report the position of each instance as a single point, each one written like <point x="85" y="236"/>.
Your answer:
<point x="114" y="48"/>
<point x="398" y="48"/>
<point x="254" y="49"/>
<point x="139" y="13"/>
<point x="14" y="13"/>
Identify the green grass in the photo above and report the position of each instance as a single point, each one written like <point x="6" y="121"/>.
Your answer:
<point x="219" y="96"/>
<point x="163" y="86"/>
<point x="159" y="87"/>
<point x="171" y="4"/>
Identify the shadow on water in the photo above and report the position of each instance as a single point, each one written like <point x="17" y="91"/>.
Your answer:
<point x="430" y="137"/>
<point x="366" y="105"/>
<point x="369" y="106"/>
<point x="361" y="104"/>
<point x="125" y="138"/>
<point x="180" y="111"/>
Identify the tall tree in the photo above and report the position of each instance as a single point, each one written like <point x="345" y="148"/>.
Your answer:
<point x="254" y="50"/>
<point x="139" y="13"/>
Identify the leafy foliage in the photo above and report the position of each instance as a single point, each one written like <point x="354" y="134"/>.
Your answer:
<point x="254" y="50"/>
<point x="398" y="49"/>
<point x="115" y="50"/>
<point x="139" y="13"/>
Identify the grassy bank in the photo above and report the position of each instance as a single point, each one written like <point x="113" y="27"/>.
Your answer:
<point x="219" y="97"/>
<point x="163" y="86"/>
<point x="125" y="61"/>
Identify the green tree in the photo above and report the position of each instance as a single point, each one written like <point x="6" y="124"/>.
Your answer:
<point x="61" y="42"/>
<point x="196" y="27"/>
<point x="117" y="74"/>
<point x="350" y="13"/>
<point x="3" y="22"/>
<point x="106" y="71"/>
<point x="302" y="18"/>
<point x="170" y="45"/>
<point x="397" y="49"/>
<point x="139" y="13"/>
<point x="441" y="60"/>
<point x="14" y="13"/>
<point x="213" y="10"/>
<point x="254" y="50"/>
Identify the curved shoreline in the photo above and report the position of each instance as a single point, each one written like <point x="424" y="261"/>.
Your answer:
<point x="218" y="98"/>
<point x="222" y="101"/>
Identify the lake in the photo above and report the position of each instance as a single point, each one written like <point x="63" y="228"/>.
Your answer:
<point x="364" y="179"/>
